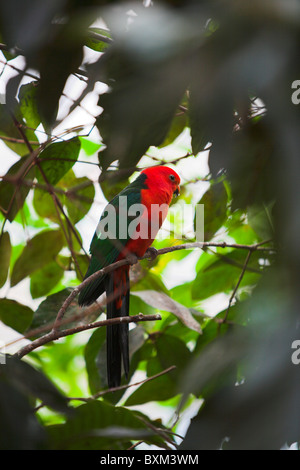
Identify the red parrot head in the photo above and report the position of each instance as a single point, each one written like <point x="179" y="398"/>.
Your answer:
<point x="163" y="177"/>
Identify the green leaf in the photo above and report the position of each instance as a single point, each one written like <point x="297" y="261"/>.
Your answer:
<point x="57" y="159"/>
<point x="96" y="39"/>
<point x="244" y="234"/>
<point x="111" y="185"/>
<point x="261" y="220"/>
<point x="58" y="57"/>
<point x="29" y="380"/>
<point x="20" y="429"/>
<point x="200" y="133"/>
<point x="12" y="194"/>
<point x="81" y="265"/>
<point x="89" y="147"/>
<point x="15" y="315"/>
<point x="215" y="204"/>
<point x="45" y="279"/>
<point x="170" y="351"/>
<point x="38" y="252"/>
<point x="5" y="253"/>
<point x="254" y="153"/>
<point x="79" y="199"/>
<point x="28" y="104"/>
<point x="148" y="280"/>
<point x="28" y="216"/>
<point x="9" y="129"/>
<point x="221" y="273"/>
<point x="182" y="294"/>
<point x="47" y="311"/>
<point x="159" y="389"/>
<point x="213" y="328"/>
<point x="44" y="205"/>
<point x="96" y="424"/>
<point x="177" y="126"/>
<point x="95" y="361"/>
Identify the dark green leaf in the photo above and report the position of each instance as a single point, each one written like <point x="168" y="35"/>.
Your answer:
<point x="178" y="124"/>
<point x="215" y="205"/>
<point x="79" y="198"/>
<point x="61" y="56"/>
<point x="170" y="351"/>
<point x="28" y="104"/>
<point x="81" y="265"/>
<point x="95" y="360"/>
<point x="20" y="429"/>
<point x="93" y="425"/>
<point x="198" y="122"/>
<point x="261" y="220"/>
<point x="254" y="163"/>
<point x="47" y="311"/>
<point x="9" y="129"/>
<point x="38" y="252"/>
<point x="221" y="273"/>
<point x="45" y="279"/>
<point x="5" y="253"/>
<point x="44" y="204"/>
<point x="15" y="315"/>
<point x="159" y="389"/>
<point x="32" y="382"/>
<point x="244" y="234"/>
<point x="13" y="194"/>
<point x="111" y="185"/>
<point x="57" y="159"/>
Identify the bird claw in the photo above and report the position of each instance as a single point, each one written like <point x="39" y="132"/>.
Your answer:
<point x="152" y="253"/>
<point x="132" y="258"/>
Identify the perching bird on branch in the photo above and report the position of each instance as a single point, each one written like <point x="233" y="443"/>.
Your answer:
<point x="127" y="228"/>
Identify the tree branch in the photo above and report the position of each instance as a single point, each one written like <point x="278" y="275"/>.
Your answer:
<point x="56" y="334"/>
<point x="123" y="387"/>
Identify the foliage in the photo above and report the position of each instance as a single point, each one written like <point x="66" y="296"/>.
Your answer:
<point x="175" y="81"/>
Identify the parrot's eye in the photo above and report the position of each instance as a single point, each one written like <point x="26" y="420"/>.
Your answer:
<point x="172" y="177"/>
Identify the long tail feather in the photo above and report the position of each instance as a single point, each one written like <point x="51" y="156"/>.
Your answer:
<point x="117" y="293"/>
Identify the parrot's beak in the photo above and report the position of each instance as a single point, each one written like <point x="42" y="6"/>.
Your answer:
<point x="177" y="191"/>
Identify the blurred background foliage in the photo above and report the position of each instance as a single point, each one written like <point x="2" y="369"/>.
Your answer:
<point x="175" y="81"/>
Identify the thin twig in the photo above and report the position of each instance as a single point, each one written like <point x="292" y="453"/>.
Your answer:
<point x="123" y="387"/>
<point x="18" y="141"/>
<point x="237" y="285"/>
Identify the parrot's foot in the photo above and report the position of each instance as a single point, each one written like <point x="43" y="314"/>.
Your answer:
<point x="131" y="258"/>
<point x="151" y="253"/>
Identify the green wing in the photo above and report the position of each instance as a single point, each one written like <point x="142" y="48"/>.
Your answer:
<point x="107" y="244"/>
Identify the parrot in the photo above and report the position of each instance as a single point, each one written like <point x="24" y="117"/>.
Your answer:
<point x="128" y="235"/>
